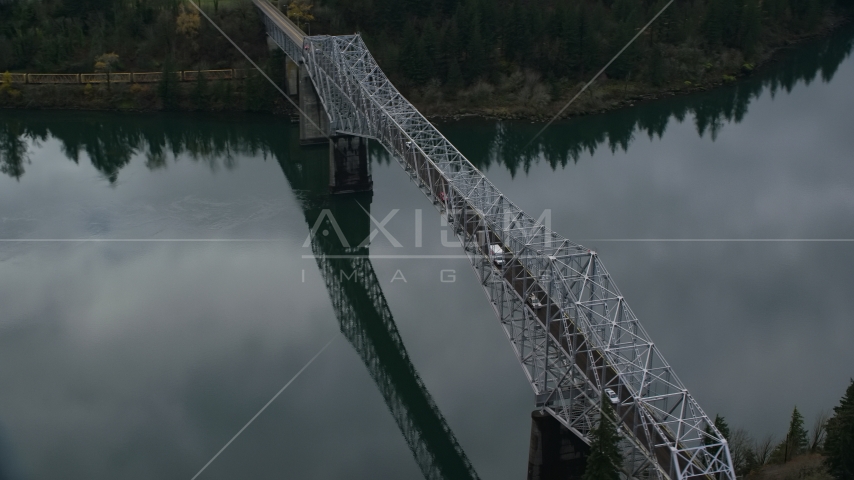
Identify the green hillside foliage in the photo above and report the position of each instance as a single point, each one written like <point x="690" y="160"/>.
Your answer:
<point x="840" y="437"/>
<point x="66" y="36"/>
<point x="534" y="51"/>
<point x="463" y="42"/>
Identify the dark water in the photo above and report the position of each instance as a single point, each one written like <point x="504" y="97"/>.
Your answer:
<point x="141" y="359"/>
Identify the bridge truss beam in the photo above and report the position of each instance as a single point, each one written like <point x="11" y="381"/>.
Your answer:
<point x="584" y="338"/>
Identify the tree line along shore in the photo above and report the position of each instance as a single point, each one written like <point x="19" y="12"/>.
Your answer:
<point x="498" y="58"/>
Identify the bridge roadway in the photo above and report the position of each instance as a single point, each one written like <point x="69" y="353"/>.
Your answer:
<point x="281" y="28"/>
<point x="568" y="324"/>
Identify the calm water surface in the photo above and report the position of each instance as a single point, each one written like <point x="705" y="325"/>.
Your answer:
<point x="141" y="359"/>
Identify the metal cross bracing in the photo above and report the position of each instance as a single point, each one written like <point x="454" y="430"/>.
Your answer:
<point x="569" y="325"/>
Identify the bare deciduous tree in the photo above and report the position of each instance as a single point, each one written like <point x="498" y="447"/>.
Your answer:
<point x="741" y="450"/>
<point x="818" y="432"/>
<point x="762" y="449"/>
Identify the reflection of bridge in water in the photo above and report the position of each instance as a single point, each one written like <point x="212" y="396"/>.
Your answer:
<point x="570" y="327"/>
<point x="367" y="323"/>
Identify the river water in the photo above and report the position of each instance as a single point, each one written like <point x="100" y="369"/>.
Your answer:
<point x="157" y="288"/>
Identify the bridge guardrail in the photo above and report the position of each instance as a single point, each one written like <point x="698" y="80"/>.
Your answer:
<point x="193" y="75"/>
<point x="124" y="77"/>
<point x="93" y="78"/>
<point x="18" y="77"/>
<point x="53" y="78"/>
<point x="121" y="77"/>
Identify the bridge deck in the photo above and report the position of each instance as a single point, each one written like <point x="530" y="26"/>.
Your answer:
<point x="283" y="31"/>
<point x="281" y="21"/>
<point x="584" y="337"/>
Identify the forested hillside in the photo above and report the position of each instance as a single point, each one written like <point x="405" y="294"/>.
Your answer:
<point x="66" y="36"/>
<point x="448" y="56"/>
<point x="461" y="42"/>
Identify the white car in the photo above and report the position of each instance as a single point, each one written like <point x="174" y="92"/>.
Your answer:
<point x="612" y="396"/>
<point x="535" y="302"/>
<point x="496" y="254"/>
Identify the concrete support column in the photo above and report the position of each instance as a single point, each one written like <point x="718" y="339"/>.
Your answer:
<point x="309" y="103"/>
<point x="555" y="453"/>
<point x="291" y="77"/>
<point x="349" y="170"/>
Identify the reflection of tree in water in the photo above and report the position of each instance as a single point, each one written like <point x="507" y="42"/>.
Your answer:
<point x="710" y="111"/>
<point x="110" y="144"/>
<point x="13" y="149"/>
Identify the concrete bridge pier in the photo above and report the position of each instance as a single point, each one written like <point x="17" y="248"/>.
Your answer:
<point x="555" y="453"/>
<point x="309" y="103"/>
<point x="291" y="77"/>
<point x="349" y="170"/>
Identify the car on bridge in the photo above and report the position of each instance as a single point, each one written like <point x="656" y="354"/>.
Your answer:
<point x="612" y="396"/>
<point x="496" y="254"/>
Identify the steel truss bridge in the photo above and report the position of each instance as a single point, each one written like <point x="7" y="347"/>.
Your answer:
<point x="570" y="327"/>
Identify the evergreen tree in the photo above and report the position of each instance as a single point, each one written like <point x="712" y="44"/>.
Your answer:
<point x="605" y="460"/>
<point x="200" y="92"/>
<point x="806" y="14"/>
<point x="751" y="27"/>
<point x="796" y="437"/>
<point x="454" y="80"/>
<point x="167" y="89"/>
<point x="626" y="62"/>
<point x="488" y="16"/>
<point x="413" y="58"/>
<point x="723" y="427"/>
<point x="477" y="59"/>
<point x="839" y="446"/>
<point x="430" y="40"/>
<point x="730" y="12"/>
<point x="450" y="50"/>
<point x="776" y="10"/>
<point x="514" y="32"/>
<point x="572" y="37"/>
<point x="713" y="23"/>
<point x="668" y="24"/>
<point x="589" y="46"/>
<point x="655" y="66"/>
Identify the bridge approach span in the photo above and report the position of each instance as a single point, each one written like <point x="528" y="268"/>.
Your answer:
<point x="567" y="321"/>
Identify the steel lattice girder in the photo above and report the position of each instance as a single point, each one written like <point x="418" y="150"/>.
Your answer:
<point x="587" y="338"/>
